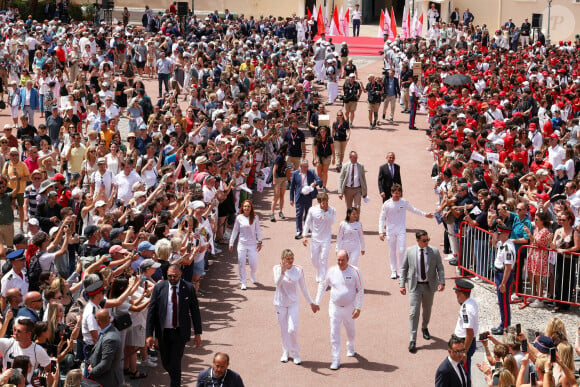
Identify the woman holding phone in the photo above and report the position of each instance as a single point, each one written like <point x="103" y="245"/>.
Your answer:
<point x="247" y="226"/>
<point x="288" y="277"/>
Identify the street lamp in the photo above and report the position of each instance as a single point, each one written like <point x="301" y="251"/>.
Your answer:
<point x="549" y="9"/>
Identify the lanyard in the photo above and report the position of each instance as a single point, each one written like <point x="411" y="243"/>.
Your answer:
<point x="211" y="377"/>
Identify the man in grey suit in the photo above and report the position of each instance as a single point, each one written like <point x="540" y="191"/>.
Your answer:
<point x="352" y="183"/>
<point x="423" y="270"/>
<point x="105" y="362"/>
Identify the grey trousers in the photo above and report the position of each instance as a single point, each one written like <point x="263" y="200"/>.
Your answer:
<point x="422" y="296"/>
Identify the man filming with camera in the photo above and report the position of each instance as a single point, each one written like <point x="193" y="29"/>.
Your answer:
<point x="352" y="91"/>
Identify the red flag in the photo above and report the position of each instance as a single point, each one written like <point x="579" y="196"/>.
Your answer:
<point x="334" y="24"/>
<point x="393" y="26"/>
<point x="381" y="30"/>
<point x="346" y="22"/>
<point x="320" y="21"/>
<point x="419" y="26"/>
<point x="408" y="21"/>
<point x="309" y="14"/>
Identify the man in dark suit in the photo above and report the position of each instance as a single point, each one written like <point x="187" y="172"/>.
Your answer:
<point x="172" y="310"/>
<point x="302" y="191"/>
<point x="451" y="372"/>
<point x="105" y="361"/>
<point x="423" y="270"/>
<point x="389" y="174"/>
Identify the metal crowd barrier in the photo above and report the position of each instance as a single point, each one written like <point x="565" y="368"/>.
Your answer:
<point x="555" y="276"/>
<point x="476" y="255"/>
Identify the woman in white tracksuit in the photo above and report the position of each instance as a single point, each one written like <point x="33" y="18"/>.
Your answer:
<point x="394" y="219"/>
<point x="288" y="278"/>
<point x="350" y="236"/>
<point x="247" y="226"/>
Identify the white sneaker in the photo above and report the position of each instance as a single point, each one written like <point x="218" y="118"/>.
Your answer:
<point x="217" y="250"/>
<point x="254" y="279"/>
<point x="350" y="353"/>
<point x="284" y="358"/>
<point x="515" y="297"/>
<point x="449" y="257"/>
<point x="393" y="275"/>
<point x="297" y="359"/>
<point x="536" y="304"/>
<point x="335" y="365"/>
<point x="243" y="287"/>
<point x="149" y="363"/>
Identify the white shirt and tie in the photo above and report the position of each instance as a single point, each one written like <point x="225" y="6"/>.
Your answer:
<point x="458" y="368"/>
<point x="353" y="177"/>
<point x="422" y="276"/>
<point x="169" y="312"/>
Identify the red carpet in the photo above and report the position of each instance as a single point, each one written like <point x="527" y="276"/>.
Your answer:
<point x="360" y="45"/>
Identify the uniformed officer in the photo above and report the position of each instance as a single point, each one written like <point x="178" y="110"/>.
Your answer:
<point x="468" y="318"/>
<point x="504" y="261"/>
<point x="16" y="277"/>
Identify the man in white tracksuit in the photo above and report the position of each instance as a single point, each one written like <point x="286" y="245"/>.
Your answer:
<point x="288" y="277"/>
<point x="319" y="55"/>
<point x="346" y="298"/>
<point x="394" y="219"/>
<point x="319" y="221"/>
<point x="332" y="76"/>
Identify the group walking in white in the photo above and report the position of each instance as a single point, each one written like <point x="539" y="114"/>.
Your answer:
<point x="344" y="280"/>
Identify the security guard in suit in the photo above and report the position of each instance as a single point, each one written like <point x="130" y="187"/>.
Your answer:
<point x="467" y="320"/>
<point x="504" y="261"/>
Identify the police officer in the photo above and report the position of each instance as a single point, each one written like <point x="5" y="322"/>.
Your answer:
<point x="504" y="261"/>
<point x="374" y="90"/>
<point x="16" y="277"/>
<point x="468" y="318"/>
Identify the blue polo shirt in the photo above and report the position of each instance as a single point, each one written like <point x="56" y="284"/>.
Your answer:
<point x="518" y="229"/>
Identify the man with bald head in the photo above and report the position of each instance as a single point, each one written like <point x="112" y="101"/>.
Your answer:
<point x="105" y="361"/>
<point x="32" y="306"/>
<point x="220" y="374"/>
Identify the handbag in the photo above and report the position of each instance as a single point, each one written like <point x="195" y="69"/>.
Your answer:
<point x="122" y="321"/>
<point x="2" y="105"/>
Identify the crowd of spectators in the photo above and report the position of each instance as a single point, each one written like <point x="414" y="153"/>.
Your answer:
<point x="101" y="215"/>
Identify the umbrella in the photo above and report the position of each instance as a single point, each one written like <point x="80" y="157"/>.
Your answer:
<point x="457" y="80"/>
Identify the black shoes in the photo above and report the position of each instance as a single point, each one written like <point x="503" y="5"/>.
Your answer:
<point x="453" y="262"/>
<point x="497" y="331"/>
<point x="298" y="235"/>
<point x="413" y="128"/>
<point x="412" y="347"/>
<point x="426" y="334"/>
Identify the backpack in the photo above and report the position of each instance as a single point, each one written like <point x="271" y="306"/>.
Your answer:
<point x="33" y="272"/>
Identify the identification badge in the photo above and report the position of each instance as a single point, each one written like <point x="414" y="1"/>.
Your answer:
<point x="465" y="319"/>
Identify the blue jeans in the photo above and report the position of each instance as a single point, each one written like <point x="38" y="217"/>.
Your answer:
<point x="302" y="206"/>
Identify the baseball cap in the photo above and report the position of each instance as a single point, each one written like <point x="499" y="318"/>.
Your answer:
<point x="117" y="249"/>
<point x="145" y="246"/>
<point x="147" y="263"/>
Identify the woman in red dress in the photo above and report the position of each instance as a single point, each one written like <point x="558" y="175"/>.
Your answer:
<point x="537" y="262"/>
